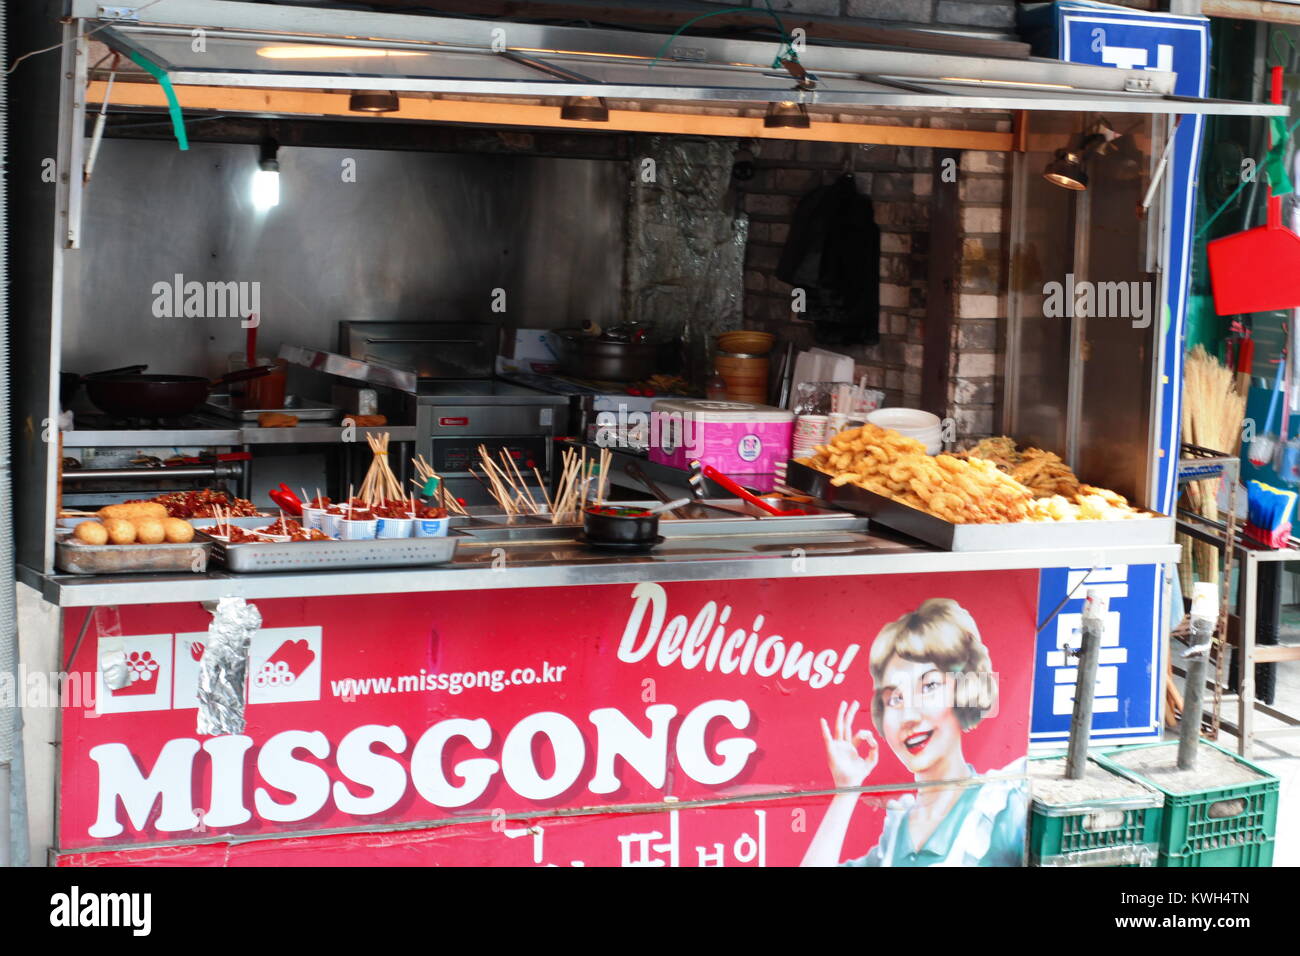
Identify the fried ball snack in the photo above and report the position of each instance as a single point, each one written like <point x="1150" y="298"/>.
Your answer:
<point x="91" y="532"/>
<point x="178" y="531"/>
<point x="150" y="531"/>
<point x="120" y="531"/>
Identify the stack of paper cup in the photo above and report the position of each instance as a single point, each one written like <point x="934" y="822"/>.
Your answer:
<point x="809" y="432"/>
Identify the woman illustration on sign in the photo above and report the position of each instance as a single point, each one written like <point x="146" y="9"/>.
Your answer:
<point x="933" y="683"/>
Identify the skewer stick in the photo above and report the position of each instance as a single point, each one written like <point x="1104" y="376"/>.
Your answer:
<point x="542" y="487"/>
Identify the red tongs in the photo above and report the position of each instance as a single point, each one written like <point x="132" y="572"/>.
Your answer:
<point x="286" y="499"/>
<point x="716" y="476"/>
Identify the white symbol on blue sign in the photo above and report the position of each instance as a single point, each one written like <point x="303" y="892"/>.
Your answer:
<point x="1133" y="57"/>
<point x="1113" y="583"/>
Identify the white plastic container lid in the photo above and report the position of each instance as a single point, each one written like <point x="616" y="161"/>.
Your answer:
<point x="706" y="410"/>
<point x="904" y="418"/>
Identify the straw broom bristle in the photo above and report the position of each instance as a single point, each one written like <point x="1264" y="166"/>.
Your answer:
<point x="1213" y="412"/>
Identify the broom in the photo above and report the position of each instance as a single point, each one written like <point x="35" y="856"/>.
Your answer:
<point x="1213" y="411"/>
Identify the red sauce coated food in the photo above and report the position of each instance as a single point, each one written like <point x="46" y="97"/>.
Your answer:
<point x="203" y="504"/>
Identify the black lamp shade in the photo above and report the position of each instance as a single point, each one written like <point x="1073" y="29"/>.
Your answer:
<point x="374" y="101"/>
<point x="585" y="109"/>
<point x="1066" y="170"/>
<point x="786" y="115"/>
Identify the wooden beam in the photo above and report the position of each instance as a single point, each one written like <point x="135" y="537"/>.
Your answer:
<point x="471" y="112"/>
<point x="1268" y="653"/>
<point x="1260" y="10"/>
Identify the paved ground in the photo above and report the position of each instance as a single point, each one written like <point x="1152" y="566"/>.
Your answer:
<point x="1281" y="755"/>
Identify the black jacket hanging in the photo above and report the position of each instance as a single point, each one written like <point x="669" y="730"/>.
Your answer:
<point x="833" y="254"/>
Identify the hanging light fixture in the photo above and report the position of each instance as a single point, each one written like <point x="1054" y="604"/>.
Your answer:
<point x="1066" y="170"/>
<point x="786" y="115"/>
<point x="266" y="180"/>
<point x="585" y="109"/>
<point x="374" y="101"/>
<point x="1067" y="166"/>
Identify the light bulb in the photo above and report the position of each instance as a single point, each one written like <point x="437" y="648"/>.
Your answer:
<point x="266" y="189"/>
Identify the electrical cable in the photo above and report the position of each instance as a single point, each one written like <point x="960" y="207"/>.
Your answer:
<point x="89" y="33"/>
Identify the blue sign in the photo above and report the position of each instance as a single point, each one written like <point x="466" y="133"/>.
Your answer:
<point x="1130" y="676"/>
<point x="1132" y="685"/>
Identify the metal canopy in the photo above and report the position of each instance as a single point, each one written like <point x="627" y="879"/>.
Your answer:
<point x="254" y="45"/>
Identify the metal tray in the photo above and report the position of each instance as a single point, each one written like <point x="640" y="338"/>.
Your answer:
<point x="821" y="519"/>
<point x="334" y="555"/>
<point x="72" y="557"/>
<point x="306" y="409"/>
<point x="1020" y="536"/>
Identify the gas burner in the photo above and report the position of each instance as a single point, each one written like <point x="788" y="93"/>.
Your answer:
<point x="94" y="422"/>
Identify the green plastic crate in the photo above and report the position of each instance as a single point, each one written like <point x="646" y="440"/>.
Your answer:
<point x="1221" y="826"/>
<point x="1114" y="832"/>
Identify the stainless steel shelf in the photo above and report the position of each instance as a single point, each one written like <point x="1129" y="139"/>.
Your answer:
<point x="225" y="437"/>
<point x="547" y="564"/>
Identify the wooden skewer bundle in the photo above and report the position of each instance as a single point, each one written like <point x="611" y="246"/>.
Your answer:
<point x="423" y="472"/>
<point x="575" y="487"/>
<point x="380" y="484"/>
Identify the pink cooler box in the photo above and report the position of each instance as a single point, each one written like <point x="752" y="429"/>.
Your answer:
<point x="744" y="441"/>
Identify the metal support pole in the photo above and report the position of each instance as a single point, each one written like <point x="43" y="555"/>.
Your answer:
<point x="1205" y="614"/>
<point x="1085" y="685"/>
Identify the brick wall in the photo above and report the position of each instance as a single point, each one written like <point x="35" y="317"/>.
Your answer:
<point x="899" y="182"/>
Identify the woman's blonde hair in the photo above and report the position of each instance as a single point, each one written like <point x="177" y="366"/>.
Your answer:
<point x="943" y="633"/>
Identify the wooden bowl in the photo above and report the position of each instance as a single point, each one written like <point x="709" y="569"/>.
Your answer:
<point x="746" y="341"/>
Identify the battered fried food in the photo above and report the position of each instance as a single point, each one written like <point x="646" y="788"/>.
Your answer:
<point x="1059" y="494"/>
<point x="91" y="532"/>
<point x="133" y="510"/>
<point x="120" y="531"/>
<point x="962" y="491"/>
<point x="994" y="482"/>
<point x="178" y="531"/>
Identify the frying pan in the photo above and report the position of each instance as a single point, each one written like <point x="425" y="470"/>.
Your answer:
<point x="69" y="382"/>
<point x="158" y="396"/>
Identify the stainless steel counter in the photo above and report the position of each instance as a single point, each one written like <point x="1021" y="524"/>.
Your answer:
<point x="532" y="564"/>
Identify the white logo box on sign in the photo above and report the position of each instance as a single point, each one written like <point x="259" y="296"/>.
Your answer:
<point x="284" y="667"/>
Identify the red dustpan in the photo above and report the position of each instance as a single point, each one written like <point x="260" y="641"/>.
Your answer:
<point x="1257" y="270"/>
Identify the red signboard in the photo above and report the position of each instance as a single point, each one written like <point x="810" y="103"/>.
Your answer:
<point x="677" y="724"/>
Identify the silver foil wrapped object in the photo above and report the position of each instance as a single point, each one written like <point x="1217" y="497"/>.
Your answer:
<point x="224" y="666"/>
<point x="113" y="666"/>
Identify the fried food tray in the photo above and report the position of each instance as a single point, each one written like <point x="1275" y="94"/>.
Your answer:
<point x="1018" y="536"/>
<point x="73" y="557"/>
<point x="333" y="555"/>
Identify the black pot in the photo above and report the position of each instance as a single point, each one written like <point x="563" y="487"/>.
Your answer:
<point x="595" y="359"/>
<point x="620" y="530"/>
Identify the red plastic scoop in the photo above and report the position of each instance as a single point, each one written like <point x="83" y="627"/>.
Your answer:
<point x="1257" y="270"/>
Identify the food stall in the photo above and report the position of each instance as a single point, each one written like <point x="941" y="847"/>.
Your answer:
<point x="520" y="687"/>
